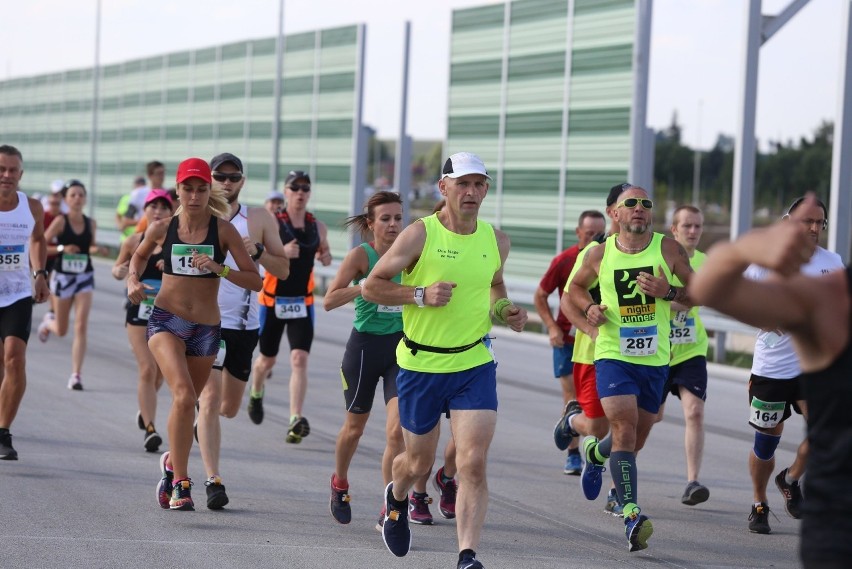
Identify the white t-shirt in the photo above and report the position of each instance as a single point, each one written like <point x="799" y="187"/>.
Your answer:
<point x="774" y="356"/>
<point x="136" y="204"/>
<point x="238" y="306"/>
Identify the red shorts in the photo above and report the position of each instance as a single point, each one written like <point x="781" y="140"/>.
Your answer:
<point x="585" y="384"/>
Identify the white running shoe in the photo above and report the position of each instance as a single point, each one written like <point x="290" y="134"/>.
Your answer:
<point x="75" y="383"/>
<point x="43" y="328"/>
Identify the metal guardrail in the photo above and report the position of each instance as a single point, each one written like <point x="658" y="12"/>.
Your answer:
<point x="523" y="291"/>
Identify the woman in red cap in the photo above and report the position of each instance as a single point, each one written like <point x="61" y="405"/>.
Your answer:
<point x="183" y="327"/>
<point x="158" y="205"/>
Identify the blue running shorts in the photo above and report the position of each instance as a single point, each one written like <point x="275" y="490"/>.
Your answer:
<point x="562" y="364"/>
<point x="615" y="377"/>
<point x="424" y="396"/>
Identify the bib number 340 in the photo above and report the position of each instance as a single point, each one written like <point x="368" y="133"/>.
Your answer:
<point x="290" y="307"/>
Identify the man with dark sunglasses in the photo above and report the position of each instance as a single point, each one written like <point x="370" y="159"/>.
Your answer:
<point x="290" y="304"/>
<point x="634" y="268"/>
<point x="229" y="376"/>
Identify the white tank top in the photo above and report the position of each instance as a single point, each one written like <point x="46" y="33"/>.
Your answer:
<point x="774" y="355"/>
<point x="238" y="306"/>
<point x="16" y="227"/>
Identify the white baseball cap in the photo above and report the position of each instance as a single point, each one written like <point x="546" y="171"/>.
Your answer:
<point x="463" y="163"/>
<point x="57" y="186"/>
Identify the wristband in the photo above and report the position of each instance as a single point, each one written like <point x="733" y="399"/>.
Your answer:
<point x="499" y="306"/>
<point x="586" y="311"/>
<point x="671" y="294"/>
<point x="420" y="296"/>
<point x="225" y="270"/>
<point x="259" y="247"/>
<point x="40" y="272"/>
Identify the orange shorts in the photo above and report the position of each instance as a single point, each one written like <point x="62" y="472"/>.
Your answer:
<point x="585" y="385"/>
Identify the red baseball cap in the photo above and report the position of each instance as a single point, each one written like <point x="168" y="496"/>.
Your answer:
<point x="194" y="168"/>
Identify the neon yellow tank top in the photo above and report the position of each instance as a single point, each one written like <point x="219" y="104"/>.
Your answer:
<point x="637" y="326"/>
<point x="470" y="261"/>
<point x="687" y="334"/>
<point x="584" y="346"/>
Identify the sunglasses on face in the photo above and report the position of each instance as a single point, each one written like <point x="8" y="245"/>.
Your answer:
<point x="630" y="203"/>
<point x="300" y="188"/>
<point x="234" y="178"/>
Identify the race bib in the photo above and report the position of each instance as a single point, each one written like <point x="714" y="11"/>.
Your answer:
<point x="683" y="333"/>
<point x="12" y="257"/>
<point x="146" y="307"/>
<point x="290" y="307"/>
<point x="636" y="341"/>
<point x="388" y="309"/>
<point x="220" y="355"/>
<point x="765" y="414"/>
<point x="182" y="259"/>
<point x="74" y="263"/>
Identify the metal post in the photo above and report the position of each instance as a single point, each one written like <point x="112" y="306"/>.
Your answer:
<point x="402" y="160"/>
<point x="696" y="167"/>
<point x="840" y="205"/>
<point x="742" y="200"/>
<point x="360" y="140"/>
<point x="280" y="43"/>
<point x="93" y="139"/>
<point x="638" y="115"/>
<point x="501" y="129"/>
<point x="563" y="151"/>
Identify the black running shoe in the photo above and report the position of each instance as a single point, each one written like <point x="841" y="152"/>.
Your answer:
<point x="758" y="521"/>
<point x="255" y="409"/>
<point x="695" y="493"/>
<point x="216" y="496"/>
<point x="469" y="563"/>
<point x="339" y="504"/>
<point x="562" y="433"/>
<point x="395" y="531"/>
<point x="152" y="439"/>
<point x="6" y="450"/>
<point x="792" y="494"/>
<point x="299" y="429"/>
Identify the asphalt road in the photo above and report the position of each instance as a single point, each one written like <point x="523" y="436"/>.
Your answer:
<point x="82" y="493"/>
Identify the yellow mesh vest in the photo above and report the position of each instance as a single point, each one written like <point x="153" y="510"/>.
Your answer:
<point x="470" y="261"/>
<point x="689" y="338"/>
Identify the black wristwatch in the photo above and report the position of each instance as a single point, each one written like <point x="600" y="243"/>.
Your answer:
<point x="259" y="247"/>
<point x="40" y="272"/>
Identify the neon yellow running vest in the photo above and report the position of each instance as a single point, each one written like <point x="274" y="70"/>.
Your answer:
<point x="470" y="261"/>
<point x="584" y="346"/>
<point x="687" y="335"/>
<point x="637" y="326"/>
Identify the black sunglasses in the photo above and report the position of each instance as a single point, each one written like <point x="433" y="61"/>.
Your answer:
<point x="300" y="188"/>
<point x="234" y="178"/>
<point x="632" y="202"/>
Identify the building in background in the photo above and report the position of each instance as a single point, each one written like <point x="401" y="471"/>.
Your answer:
<point x="199" y="103"/>
<point x="518" y="70"/>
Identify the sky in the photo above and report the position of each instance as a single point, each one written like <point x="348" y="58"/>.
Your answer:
<point x="697" y="48"/>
